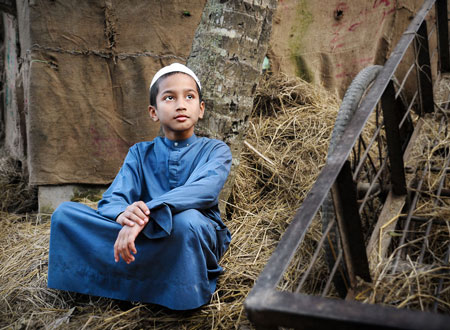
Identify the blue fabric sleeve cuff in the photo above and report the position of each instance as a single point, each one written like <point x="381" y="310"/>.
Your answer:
<point x="111" y="211"/>
<point x="160" y="224"/>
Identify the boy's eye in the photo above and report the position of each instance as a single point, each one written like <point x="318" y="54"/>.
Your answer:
<point x="168" y="98"/>
<point x="190" y="97"/>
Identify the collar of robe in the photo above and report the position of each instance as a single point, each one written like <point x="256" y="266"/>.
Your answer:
<point x="180" y="143"/>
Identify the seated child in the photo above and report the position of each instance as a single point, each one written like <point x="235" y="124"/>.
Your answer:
<point x="157" y="236"/>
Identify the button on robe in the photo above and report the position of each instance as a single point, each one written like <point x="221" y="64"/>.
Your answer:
<point x="178" y="251"/>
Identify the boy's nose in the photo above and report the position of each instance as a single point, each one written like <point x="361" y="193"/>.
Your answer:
<point x="181" y="105"/>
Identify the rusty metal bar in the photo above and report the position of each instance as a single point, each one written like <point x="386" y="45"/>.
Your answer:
<point x="332" y="273"/>
<point x="408" y="111"/>
<point x="435" y="203"/>
<point x="408" y="220"/>
<point x="391" y="114"/>
<point x="412" y="206"/>
<point x="400" y="88"/>
<point x="405" y="126"/>
<point x="366" y="155"/>
<point x="315" y="255"/>
<point x="424" y="70"/>
<point x="423" y="220"/>
<point x="372" y="184"/>
<point x="442" y="26"/>
<point x="441" y="280"/>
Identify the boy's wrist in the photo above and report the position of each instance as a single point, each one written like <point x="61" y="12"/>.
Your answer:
<point x="117" y="217"/>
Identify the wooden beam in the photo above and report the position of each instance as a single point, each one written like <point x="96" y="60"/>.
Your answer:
<point x="381" y="238"/>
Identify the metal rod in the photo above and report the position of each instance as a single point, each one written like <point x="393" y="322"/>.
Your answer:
<point x="441" y="281"/>
<point x="315" y="255"/>
<point x="422" y="220"/>
<point x="408" y="111"/>
<point x="404" y="79"/>
<point x="435" y="203"/>
<point x="366" y="196"/>
<point x="366" y="153"/>
<point x="414" y="202"/>
<point x="332" y="274"/>
<point x="405" y="116"/>
<point x="408" y="220"/>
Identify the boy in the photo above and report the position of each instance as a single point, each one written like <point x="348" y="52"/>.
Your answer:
<point x="157" y="235"/>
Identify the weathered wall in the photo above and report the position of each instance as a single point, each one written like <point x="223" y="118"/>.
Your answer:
<point x="76" y="88"/>
<point x="86" y="68"/>
<point x="331" y="42"/>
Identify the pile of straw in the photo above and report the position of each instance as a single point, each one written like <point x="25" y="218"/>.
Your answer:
<point x="16" y="196"/>
<point x="422" y="269"/>
<point x="284" y="150"/>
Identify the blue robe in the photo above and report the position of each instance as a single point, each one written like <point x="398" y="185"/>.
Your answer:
<point x="176" y="264"/>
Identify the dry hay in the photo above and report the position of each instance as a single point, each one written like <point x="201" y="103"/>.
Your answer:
<point x="287" y="144"/>
<point x="285" y="149"/>
<point x="15" y="193"/>
<point x="412" y="280"/>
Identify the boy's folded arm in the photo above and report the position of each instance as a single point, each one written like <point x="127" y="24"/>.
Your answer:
<point x="201" y="191"/>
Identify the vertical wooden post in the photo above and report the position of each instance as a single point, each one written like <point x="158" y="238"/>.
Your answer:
<point x="349" y="222"/>
<point x="395" y="153"/>
<point x="442" y="28"/>
<point x="424" y="70"/>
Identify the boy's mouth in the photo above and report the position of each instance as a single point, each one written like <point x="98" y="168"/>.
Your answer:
<point x="181" y="117"/>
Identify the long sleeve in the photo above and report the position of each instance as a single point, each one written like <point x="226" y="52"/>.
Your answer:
<point x="169" y="176"/>
<point x="125" y="189"/>
<point x="200" y="191"/>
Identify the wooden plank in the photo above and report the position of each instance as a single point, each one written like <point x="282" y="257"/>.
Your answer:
<point x="381" y="238"/>
<point x="349" y="224"/>
<point x="392" y="109"/>
<point x="413" y="139"/>
<point x="290" y="310"/>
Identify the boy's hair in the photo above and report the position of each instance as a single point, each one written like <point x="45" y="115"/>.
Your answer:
<point x="155" y="88"/>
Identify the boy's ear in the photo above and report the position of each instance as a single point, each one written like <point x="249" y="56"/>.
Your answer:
<point x="202" y="109"/>
<point x="152" y="113"/>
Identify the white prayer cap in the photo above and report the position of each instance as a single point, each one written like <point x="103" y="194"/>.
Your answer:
<point x="175" y="67"/>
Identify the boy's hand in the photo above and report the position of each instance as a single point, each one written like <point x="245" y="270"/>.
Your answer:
<point x="124" y="245"/>
<point x="137" y="212"/>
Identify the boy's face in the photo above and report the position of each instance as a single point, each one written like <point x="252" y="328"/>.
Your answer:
<point x="178" y="106"/>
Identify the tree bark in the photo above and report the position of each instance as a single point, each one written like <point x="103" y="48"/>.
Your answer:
<point x="227" y="54"/>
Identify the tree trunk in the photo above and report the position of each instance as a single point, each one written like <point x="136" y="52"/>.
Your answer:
<point x="227" y="54"/>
